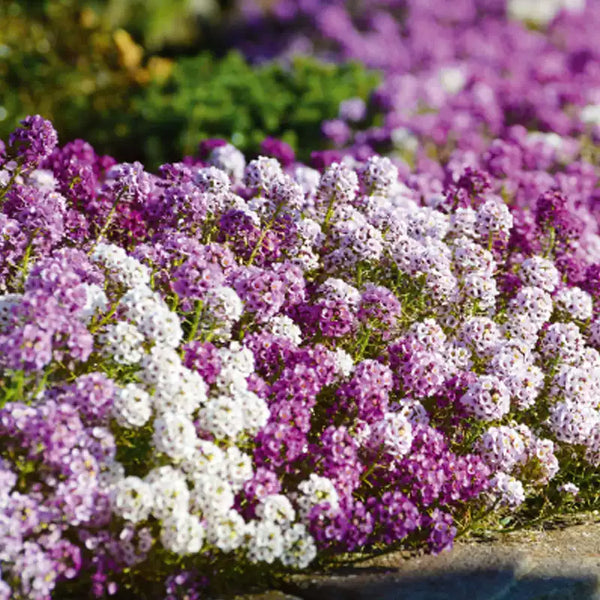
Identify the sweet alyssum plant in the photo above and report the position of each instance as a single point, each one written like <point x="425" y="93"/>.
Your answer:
<point x="236" y="368"/>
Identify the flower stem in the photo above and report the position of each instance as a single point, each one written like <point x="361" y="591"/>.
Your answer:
<point x="14" y="175"/>
<point x="108" y="221"/>
<point x="263" y="234"/>
<point x="196" y="321"/>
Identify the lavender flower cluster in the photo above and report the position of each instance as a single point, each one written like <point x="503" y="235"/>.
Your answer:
<point x="456" y="74"/>
<point x="231" y="364"/>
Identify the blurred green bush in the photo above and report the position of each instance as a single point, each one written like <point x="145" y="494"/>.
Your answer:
<point x="162" y="24"/>
<point x="230" y="98"/>
<point x="65" y="59"/>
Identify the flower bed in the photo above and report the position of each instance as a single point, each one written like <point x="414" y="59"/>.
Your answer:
<point x="241" y="369"/>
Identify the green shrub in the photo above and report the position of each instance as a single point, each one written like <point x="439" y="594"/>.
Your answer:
<point x="229" y="98"/>
<point x="161" y="24"/>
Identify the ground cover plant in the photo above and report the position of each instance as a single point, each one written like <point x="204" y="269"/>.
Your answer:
<point x="230" y="369"/>
<point x="227" y="370"/>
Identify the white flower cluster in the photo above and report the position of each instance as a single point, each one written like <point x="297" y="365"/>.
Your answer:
<point x="507" y="490"/>
<point x="125" y="269"/>
<point x="263" y="173"/>
<point x="146" y="309"/>
<point x="314" y="491"/>
<point x="96" y="301"/>
<point x="211" y="179"/>
<point x="338" y="181"/>
<point x="487" y="398"/>
<point x="423" y="256"/>
<point x="229" y="159"/>
<point x="132" y="407"/>
<point x="195" y="507"/>
<point x="221" y="310"/>
<point x="539" y="272"/>
<point x="379" y="174"/>
<point x="123" y="342"/>
<point x="176" y="389"/>
<point x="174" y="435"/>
<point x="493" y="217"/>
<point x="282" y="326"/>
<point x="541" y="13"/>
<point x="337" y="289"/>
<point x="394" y="433"/>
<point x="354" y="237"/>
<point x="576" y="303"/>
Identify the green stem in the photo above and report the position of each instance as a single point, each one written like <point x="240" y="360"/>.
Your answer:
<point x="370" y="470"/>
<point x="41" y="384"/>
<point x="263" y="234"/>
<point x="20" y="277"/>
<point x="108" y="221"/>
<point x="196" y="321"/>
<point x="363" y="344"/>
<point x="329" y="213"/>
<point x="175" y="303"/>
<point x="529" y="522"/>
<point x="14" y="175"/>
<point x="359" y="274"/>
<point x="20" y="386"/>
<point x="476" y="520"/>
<point x="551" y="242"/>
<point x="106" y="319"/>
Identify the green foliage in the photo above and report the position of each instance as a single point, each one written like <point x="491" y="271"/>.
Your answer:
<point x="165" y="23"/>
<point x="229" y="98"/>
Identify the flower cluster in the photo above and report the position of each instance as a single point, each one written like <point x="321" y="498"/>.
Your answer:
<point x="257" y="369"/>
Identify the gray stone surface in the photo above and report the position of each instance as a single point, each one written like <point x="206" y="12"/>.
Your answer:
<point x="559" y="564"/>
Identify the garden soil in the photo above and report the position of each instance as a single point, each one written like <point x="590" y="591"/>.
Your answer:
<point x="559" y="561"/>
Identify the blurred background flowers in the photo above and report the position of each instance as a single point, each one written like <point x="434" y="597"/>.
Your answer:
<point x="149" y="79"/>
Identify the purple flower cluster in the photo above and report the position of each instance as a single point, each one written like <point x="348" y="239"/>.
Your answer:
<point x="263" y="362"/>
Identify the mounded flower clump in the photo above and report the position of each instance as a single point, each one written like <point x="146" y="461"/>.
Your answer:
<point x="242" y="368"/>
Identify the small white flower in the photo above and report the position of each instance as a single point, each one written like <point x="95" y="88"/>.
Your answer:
<point x="576" y="303"/>
<point x="540" y="272"/>
<point x="222" y="416"/>
<point x="124" y="269"/>
<point x="276" y="508"/>
<point x="507" y="490"/>
<point x="393" y="433"/>
<point x="170" y="492"/>
<point x="266" y="543"/>
<point x="211" y="495"/>
<point x="175" y="435"/>
<point x="226" y="531"/>
<point x="316" y="490"/>
<point x="132" y="407"/>
<point x="206" y="457"/>
<point x="132" y="499"/>
<point x="282" y="326"/>
<point x="182" y="533"/>
<point x="299" y="547"/>
<point x="96" y="301"/>
<point x="123" y="342"/>
<point x="237" y="467"/>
